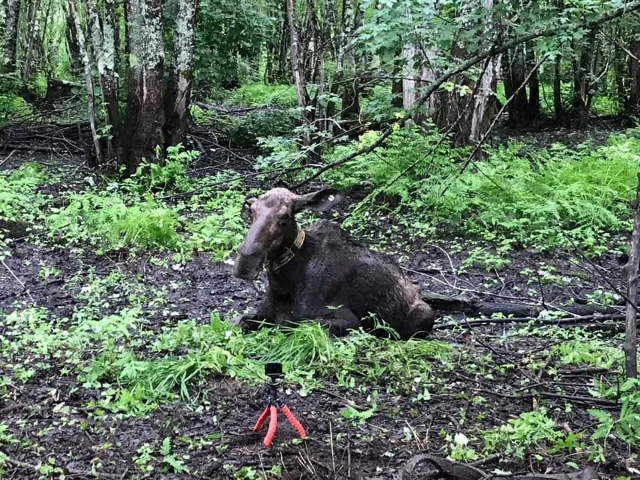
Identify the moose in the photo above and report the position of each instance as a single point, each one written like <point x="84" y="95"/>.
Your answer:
<point x="321" y="274"/>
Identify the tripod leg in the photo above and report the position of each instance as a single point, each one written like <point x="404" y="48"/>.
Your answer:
<point x="261" y="419"/>
<point x="294" y="421"/>
<point x="273" y="426"/>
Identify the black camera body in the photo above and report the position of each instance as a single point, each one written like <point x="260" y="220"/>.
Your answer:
<point x="273" y="370"/>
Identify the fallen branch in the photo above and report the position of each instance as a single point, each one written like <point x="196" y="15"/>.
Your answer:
<point x="585" y="319"/>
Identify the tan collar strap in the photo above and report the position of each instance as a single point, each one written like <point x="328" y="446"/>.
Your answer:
<point x="287" y="255"/>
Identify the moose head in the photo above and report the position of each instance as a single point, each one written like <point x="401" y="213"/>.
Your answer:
<point x="273" y="226"/>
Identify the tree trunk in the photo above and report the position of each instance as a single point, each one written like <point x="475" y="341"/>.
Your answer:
<point x="513" y="66"/>
<point x="103" y="39"/>
<point x="73" y="10"/>
<point x="145" y="106"/>
<point x="485" y="103"/>
<point x="557" y="89"/>
<point x="631" y="336"/>
<point x="533" y="106"/>
<point x="581" y="82"/>
<point x="32" y="33"/>
<point x="179" y="93"/>
<point x="12" y="13"/>
<point x="634" y="73"/>
<point x="73" y="44"/>
<point x="296" y="65"/>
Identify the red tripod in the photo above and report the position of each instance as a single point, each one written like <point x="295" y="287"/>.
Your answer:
<point x="272" y="411"/>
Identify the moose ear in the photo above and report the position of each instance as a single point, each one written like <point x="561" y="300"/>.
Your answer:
<point x="246" y="209"/>
<point x="319" y="201"/>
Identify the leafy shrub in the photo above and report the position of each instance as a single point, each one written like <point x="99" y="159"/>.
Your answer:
<point x="378" y="106"/>
<point x="409" y="156"/>
<point x="105" y="219"/>
<point x="244" y="131"/>
<point x="259" y="94"/>
<point x="222" y="231"/>
<point x="17" y="196"/>
<point x="553" y="197"/>
<point x="12" y="107"/>
<point x="169" y="174"/>
<point x="518" y="435"/>
<point x="590" y="352"/>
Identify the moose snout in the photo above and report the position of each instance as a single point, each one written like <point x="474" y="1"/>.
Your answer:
<point x="247" y="266"/>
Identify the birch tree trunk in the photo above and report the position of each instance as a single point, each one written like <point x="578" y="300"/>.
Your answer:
<point x="179" y="93"/>
<point x="73" y="9"/>
<point x="296" y="65"/>
<point x="145" y="106"/>
<point x="103" y="37"/>
<point x="12" y="13"/>
<point x="484" y="103"/>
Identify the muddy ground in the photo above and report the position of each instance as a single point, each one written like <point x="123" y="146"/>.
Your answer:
<point x="50" y="415"/>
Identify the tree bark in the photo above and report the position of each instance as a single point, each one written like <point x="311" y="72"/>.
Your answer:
<point x="103" y="37"/>
<point x="296" y="66"/>
<point x="145" y="106"/>
<point x="179" y="93"/>
<point x="32" y="32"/>
<point x="73" y="10"/>
<point x="12" y="13"/>
<point x="634" y="73"/>
<point x="514" y="70"/>
<point x="557" y="89"/>
<point x="631" y="333"/>
<point x="73" y="45"/>
<point x="582" y="75"/>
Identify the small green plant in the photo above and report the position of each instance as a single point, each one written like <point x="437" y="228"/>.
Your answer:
<point x="480" y="257"/>
<point x="222" y="231"/>
<point x="144" y="459"/>
<point x="593" y="352"/>
<point x="459" y="449"/>
<point x="603" y="297"/>
<point x="358" y="416"/>
<point x="170" y="461"/>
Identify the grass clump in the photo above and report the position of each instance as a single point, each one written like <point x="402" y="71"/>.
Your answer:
<point x="185" y="355"/>
<point x="107" y="221"/>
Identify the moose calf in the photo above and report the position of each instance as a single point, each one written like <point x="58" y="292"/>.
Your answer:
<point x="321" y="274"/>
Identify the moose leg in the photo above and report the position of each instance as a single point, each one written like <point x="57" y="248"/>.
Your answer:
<point x="253" y="318"/>
<point x="337" y="320"/>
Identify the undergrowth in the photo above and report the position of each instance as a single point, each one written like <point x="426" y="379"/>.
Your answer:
<point x="552" y="197"/>
<point x="181" y="357"/>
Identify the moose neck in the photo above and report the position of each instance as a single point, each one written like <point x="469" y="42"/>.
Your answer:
<point x="287" y="242"/>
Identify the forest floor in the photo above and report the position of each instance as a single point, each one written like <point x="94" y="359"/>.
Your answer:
<point x="54" y="426"/>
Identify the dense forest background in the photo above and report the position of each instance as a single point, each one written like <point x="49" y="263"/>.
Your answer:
<point x="490" y="147"/>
